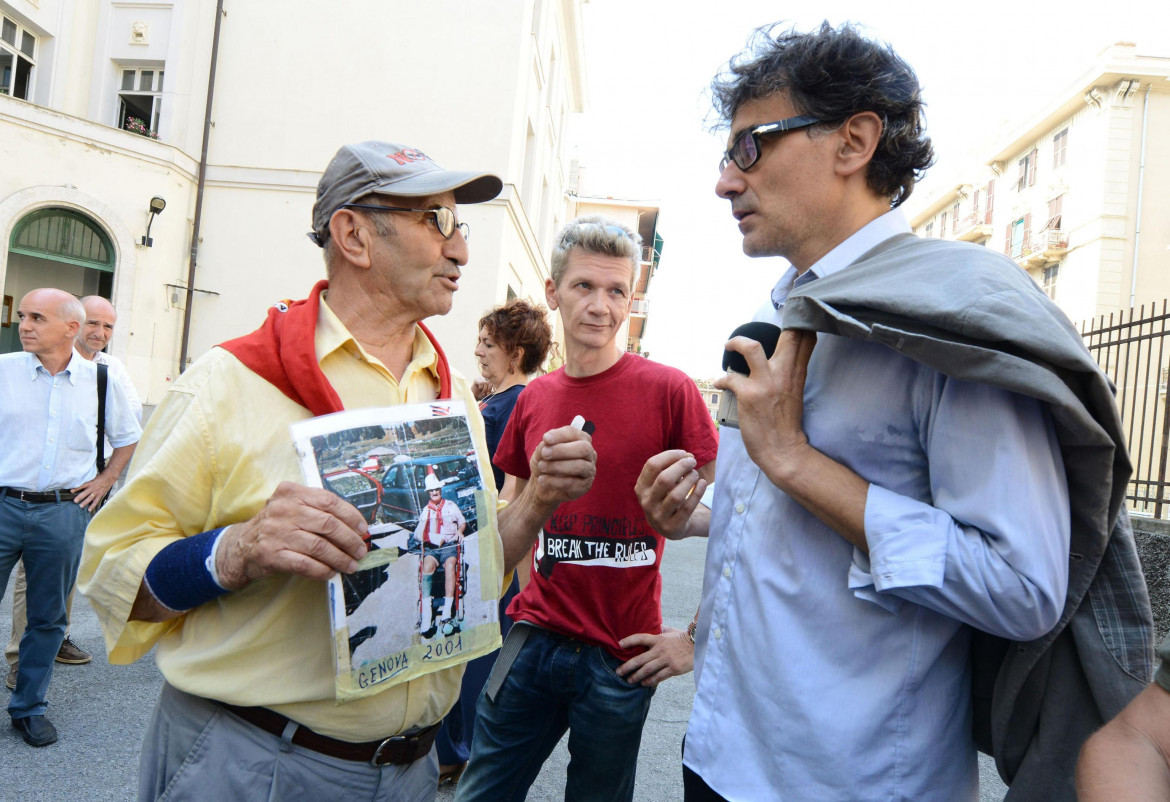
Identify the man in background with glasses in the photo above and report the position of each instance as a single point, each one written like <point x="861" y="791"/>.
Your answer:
<point x="896" y="483"/>
<point x="215" y="551"/>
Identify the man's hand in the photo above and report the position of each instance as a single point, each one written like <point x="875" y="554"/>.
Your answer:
<point x="90" y="494"/>
<point x="562" y="467"/>
<point x="669" y="490"/>
<point x="771" y="422"/>
<point x="771" y="399"/>
<point x="667" y="655"/>
<point x="301" y="530"/>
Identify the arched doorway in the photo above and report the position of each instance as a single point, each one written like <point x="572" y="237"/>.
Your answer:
<point x="55" y="247"/>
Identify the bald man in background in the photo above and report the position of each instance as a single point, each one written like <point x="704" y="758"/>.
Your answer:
<point x="50" y="482"/>
<point x="90" y="342"/>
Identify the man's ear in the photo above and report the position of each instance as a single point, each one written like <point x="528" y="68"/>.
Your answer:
<point x="859" y="136"/>
<point x="550" y="293"/>
<point x="351" y="239"/>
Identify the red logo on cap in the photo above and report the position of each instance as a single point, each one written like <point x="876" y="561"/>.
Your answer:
<point x="408" y="155"/>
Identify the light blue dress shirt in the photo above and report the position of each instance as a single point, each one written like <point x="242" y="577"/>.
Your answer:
<point x="49" y="423"/>
<point x="823" y="673"/>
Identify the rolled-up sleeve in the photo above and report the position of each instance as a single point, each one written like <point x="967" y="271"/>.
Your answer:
<point x="992" y="548"/>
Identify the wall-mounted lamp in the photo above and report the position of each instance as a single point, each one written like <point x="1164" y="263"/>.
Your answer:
<point x="157" y="204"/>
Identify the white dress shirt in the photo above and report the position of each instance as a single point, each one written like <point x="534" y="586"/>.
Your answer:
<point x="49" y="423"/>
<point x="826" y="674"/>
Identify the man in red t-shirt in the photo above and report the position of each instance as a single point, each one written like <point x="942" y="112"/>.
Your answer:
<point x="595" y="571"/>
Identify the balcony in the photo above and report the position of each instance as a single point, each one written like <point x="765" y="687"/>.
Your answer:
<point x="1043" y="248"/>
<point x="640" y="306"/>
<point x="974" y="227"/>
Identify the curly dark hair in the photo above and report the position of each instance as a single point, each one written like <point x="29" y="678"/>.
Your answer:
<point x="520" y="324"/>
<point x="832" y="74"/>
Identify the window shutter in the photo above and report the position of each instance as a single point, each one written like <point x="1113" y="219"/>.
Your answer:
<point x="1007" y="240"/>
<point x="1027" y="229"/>
<point x="1032" y="159"/>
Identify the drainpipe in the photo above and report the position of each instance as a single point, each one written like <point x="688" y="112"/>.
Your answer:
<point x="1137" y="233"/>
<point x="199" y="191"/>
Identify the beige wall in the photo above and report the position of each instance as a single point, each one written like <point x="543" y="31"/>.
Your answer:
<point x="465" y="82"/>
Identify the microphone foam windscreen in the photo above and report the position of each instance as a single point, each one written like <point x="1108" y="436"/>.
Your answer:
<point x="765" y="334"/>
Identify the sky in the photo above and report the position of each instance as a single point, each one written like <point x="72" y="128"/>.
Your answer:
<point x="983" y="66"/>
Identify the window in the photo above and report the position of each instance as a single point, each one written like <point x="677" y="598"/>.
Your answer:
<point x="18" y="51"/>
<point x="1059" y="149"/>
<point x="930" y="229"/>
<point x="942" y="224"/>
<point x="140" y="101"/>
<point x="1016" y="237"/>
<point x="955" y="217"/>
<point x="1027" y="171"/>
<point x="1048" y="282"/>
<point x="990" y="200"/>
<point x="1054" y="213"/>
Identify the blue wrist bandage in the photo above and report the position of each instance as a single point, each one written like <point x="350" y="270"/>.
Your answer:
<point x="180" y="575"/>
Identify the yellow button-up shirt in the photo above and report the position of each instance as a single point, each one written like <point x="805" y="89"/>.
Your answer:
<point x="212" y="454"/>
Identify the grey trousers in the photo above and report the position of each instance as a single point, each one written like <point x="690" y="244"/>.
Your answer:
<point x="196" y="750"/>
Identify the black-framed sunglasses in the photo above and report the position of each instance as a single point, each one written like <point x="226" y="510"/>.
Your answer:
<point x="444" y="217"/>
<point x="745" y="150"/>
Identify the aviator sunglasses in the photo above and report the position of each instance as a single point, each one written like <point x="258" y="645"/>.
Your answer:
<point x="444" y="217"/>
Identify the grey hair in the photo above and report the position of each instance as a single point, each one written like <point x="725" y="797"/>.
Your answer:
<point x="596" y="234"/>
<point x="380" y="220"/>
<point x="72" y="310"/>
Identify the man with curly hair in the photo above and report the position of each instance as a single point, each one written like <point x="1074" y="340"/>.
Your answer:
<point x="896" y="482"/>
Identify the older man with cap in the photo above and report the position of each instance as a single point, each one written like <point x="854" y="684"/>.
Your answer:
<point x="49" y="483"/>
<point x="215" y="552"/>
<point x="90" y="342"/>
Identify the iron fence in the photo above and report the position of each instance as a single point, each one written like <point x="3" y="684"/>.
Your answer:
<point x="1130" y="346"/>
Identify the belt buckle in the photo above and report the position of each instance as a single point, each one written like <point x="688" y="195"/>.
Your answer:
<point x="386" y="742"/>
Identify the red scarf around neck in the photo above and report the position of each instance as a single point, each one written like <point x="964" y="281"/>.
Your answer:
<point x="435" y="521"/>
<point x="283" y="351"/>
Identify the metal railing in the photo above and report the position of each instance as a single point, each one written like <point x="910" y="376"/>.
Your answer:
<point x="1131" y="347"/>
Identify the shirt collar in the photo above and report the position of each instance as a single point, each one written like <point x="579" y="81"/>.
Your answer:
<point x="33" y="363"/>
<point x="865" y="238"/>
<point x="332" y="335"/>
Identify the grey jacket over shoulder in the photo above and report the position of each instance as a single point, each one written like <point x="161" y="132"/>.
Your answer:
<point x="972" y="314"/>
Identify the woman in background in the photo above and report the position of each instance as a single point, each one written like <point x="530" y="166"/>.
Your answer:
<point x="514" y="341"/>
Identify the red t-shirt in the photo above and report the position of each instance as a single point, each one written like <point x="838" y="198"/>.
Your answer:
<point x="595" y="571"/>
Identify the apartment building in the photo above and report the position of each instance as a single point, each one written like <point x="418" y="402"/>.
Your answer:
<point x="1075" y="194"/>
<point x="121" y="179"/>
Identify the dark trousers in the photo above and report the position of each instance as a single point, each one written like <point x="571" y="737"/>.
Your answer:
<point x="695" y="790"/>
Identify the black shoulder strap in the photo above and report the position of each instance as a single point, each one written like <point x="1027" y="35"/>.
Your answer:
<point x="103" y="375"/>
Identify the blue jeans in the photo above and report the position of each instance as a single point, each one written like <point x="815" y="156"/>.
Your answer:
<point x="48" y="537"/>
<point x="557" y="683"/>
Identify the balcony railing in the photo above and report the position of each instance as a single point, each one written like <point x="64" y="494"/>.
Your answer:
<point x="974" y="226"/>
<point x="640" y="306"/>
<point x="1047" y="246"/>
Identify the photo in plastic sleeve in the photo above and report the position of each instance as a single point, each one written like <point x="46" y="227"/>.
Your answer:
<point x="418" y="601"/>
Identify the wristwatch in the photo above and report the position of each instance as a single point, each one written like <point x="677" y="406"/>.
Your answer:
<point x="691" y="631"/>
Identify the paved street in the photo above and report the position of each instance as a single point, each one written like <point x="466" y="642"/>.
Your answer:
<point x="101" y="710"/>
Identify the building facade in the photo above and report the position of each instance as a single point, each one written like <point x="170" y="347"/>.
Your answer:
<point x="103" y="109"/>
<point x="1071" y="194"/>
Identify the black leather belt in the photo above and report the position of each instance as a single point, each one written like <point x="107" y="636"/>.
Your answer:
<point x="39" y="497"/>
<point x="397" y="749"/>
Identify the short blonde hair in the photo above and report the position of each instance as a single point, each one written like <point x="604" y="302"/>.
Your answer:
<point x="596" y="234"/>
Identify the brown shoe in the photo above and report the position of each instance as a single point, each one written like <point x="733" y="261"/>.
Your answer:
<point x="10" y="683"/>
<point x="71" y="655"/>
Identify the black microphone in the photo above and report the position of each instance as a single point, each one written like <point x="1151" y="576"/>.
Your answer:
<point x="767" y="335"/>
